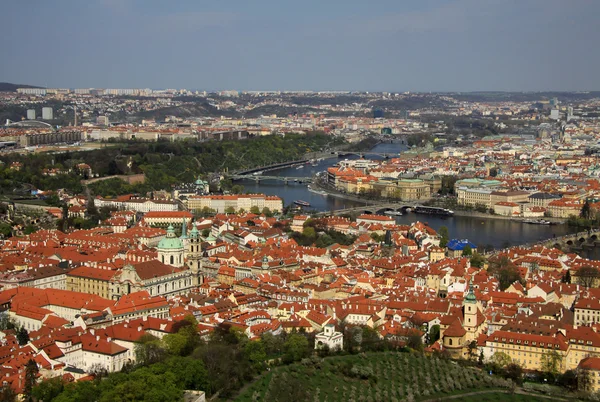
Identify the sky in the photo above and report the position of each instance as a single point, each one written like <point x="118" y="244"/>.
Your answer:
<point x="359" y="45"/>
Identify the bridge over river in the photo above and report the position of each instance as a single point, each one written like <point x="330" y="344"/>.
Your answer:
<point x="258" y="178"/>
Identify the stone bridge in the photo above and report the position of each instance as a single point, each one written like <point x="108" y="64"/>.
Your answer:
<point x="576" y="241"/>
<point x="375" y="209"/>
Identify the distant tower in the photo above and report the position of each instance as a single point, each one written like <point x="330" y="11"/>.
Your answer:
<point x="75" y="114"/>
<point x="471" y="310"/>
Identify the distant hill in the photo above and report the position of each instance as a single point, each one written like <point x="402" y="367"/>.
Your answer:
<point x="8" y="87"/>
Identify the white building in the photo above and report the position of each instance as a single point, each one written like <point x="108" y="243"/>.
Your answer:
<point x="330" y="338"/>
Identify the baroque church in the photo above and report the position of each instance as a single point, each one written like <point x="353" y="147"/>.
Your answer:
<point x="176" y="271"/>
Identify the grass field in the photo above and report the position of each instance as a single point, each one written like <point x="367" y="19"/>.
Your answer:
<point x="372" y="377"/>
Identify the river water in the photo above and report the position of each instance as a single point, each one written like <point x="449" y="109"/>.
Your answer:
<point x="481" y="231"/>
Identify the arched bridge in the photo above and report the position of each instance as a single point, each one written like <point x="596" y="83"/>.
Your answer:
<point x="259" y="178"/>
<point x="574" y="241"/>
<point x="375" y="209"/>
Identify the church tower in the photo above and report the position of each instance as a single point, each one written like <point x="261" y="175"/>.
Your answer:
<point x="194" y="256"/>
<point x="471" y="311"/>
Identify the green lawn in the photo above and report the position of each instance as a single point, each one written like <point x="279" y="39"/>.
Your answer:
<point x="382" y="376"/>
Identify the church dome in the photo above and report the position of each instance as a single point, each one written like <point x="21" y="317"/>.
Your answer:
<point x="170" y="241"/>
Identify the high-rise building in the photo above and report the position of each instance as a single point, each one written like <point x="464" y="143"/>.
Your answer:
<point x="47" y="113"/>
<point x="30" y="114"/>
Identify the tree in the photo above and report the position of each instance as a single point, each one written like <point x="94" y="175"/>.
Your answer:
<point x="434" y="334"/>
<point x="255" y="210"/>
<point x="515" y="373"/>
<point x="22" y="336"/>
<point x="175" y="344"/>
<point x="255" y="352"/>
<point x="551" y="362"/>
<point x="477" y="260"/>
<point x="467" y="251"/>
<point x="31" y="371"/>
<point x="267" y="212"/>
<point x="586" y="210"/>
<point x="587" y="276"/>
<point x="230" y="210"/>
<point x="295" y="348"/>
<point x="504" y="270"/>
<point x="444" y="236"/>
<point x="472" y="349"/>
<point x="309" y="232"/>
<point x="7" y="394"/>
<point x="205" y="233"/>
<point x="501" y="359"/>
<point x="566" y="278"/>
<point x="149" y="349"/>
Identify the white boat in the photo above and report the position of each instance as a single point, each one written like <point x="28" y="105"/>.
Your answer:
<point x="300" y="167"/>
<point x="393" y="213"/>
<point x="320" y="192"/>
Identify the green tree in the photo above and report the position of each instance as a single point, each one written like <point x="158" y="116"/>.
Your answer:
<point x="230" y="210"/>
<point x="309" y="232"/>
<point x="267" y="212"/>
<point x="5" y="230"/>
<point x="149" y="349"/>
<point x="477" y="260"/>
<point x="205" y="233"/>
<point x="444" y="236"/>
<point x="22" y="336"/>
<point x="501" y="359"/>
<point x="31" y="372"/>
<point x="255" y="352"/>
<point x="255" y="210"/>
<point x="175" y="344"/>
<point x="467" y="251"/>
<point x="434" y="334"/>
<point x="48" y="389"/>
<point x="551" y="362"/>
<point x="295" y="348"/>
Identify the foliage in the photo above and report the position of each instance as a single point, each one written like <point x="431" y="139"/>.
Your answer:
<point x="551" y="362"/>
<point x="467" y="251"/>
<point x="444" y="236"/>
<point x="477" y="260"/>
<point x="587" y="276"/>
<point x="48" y="389"/>
<point x="295" y="348"/>
<point x="505" y="271"/>
<point x="163" y="163"/>
<point x="22" y="336"/>
<point x="388" y="376"/>
<point x="31" y="371"/>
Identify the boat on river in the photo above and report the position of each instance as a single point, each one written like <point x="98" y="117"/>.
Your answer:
<point x="393" y="213"/>
<point x="314" y="190"/>
<point x="537" y="222"/>
<point x="302" y="203"/>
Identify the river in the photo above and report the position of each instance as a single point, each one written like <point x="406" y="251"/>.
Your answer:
<point x="481" y="231"/>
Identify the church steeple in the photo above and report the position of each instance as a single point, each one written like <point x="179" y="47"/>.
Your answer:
<point x="470" y="297"/>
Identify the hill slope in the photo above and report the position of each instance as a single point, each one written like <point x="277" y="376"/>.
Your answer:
<point x="8" y="87"/>
<point x="373" y="376"/>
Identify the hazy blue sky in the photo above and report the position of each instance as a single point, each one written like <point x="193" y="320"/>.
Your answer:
<point x="391" y="45"/>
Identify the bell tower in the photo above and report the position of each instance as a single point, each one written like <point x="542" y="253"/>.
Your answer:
<point x="194" y="256"/>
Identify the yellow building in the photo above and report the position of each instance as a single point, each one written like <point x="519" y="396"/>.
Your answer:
<point x="90" y="280"/>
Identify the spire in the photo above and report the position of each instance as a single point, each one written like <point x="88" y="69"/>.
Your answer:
<point x="184" y="230"/>
<point x="470" y="297"/>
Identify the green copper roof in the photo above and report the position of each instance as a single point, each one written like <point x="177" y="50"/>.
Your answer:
<point x="170" y="241"/>
<point x="470" y="297"/>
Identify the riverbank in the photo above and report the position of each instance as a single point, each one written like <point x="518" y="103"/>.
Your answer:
<point x="472" y="214"/>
